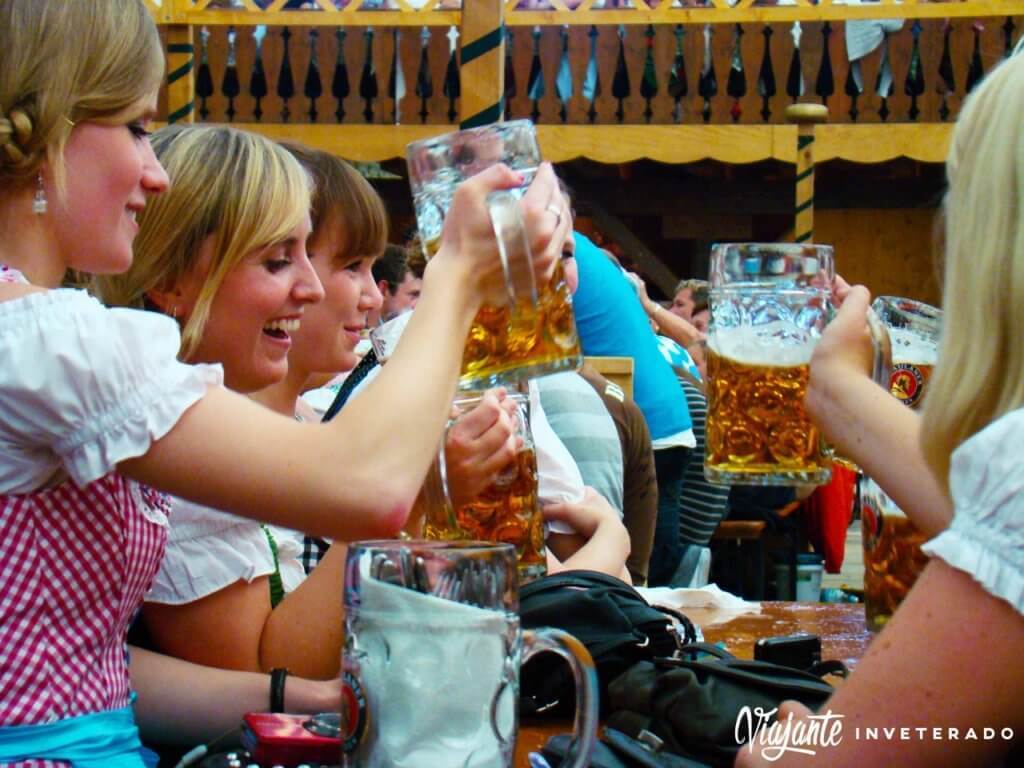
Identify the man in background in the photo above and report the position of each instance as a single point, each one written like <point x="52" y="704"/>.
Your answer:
<point x="691" y="296"/>
<point x="399" y="285"/>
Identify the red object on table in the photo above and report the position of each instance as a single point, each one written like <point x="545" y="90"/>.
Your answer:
<point x="277" y="739"/>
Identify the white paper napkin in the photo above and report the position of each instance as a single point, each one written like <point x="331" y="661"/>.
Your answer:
<point x="432" y="671"/>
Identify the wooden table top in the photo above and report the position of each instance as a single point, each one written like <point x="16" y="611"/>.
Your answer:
<point x="841" y="627"/>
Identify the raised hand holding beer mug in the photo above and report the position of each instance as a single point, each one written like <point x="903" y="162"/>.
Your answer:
<point x="528" y="329"/>
<point x="769" y="305"/>
<point x="432" y="653"/>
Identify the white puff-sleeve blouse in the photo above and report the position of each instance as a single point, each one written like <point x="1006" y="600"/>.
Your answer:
<point x="208" y="550"/>
<point x="83" y="387"/>
<point x="986" y="537"/>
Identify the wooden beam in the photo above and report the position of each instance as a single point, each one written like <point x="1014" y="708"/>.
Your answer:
<point x="482" y="60"/>
<point x="181" y="77"/>
<point x="655" y="269"/>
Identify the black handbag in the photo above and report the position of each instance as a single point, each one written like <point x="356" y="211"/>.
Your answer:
<point x="617" y="626"/>
<point x="692" y="702"/>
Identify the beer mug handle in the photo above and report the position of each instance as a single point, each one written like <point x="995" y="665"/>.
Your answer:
<point x="585" y="721"/>
<point x="881" y="369"/>
<point x="513" y="247"/>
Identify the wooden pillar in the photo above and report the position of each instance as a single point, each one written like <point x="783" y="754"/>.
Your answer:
<point x="482" y="69"/>
<point x="805" y="116"/>
<point x="181" y="81"/>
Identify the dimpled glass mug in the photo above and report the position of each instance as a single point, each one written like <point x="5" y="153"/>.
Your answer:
<point x="769" y="306"/>
<point x="431" y="657"/>
<point x="507" y="511"/>
<point x="534" y="332"/>
<point x="892" y="543"/>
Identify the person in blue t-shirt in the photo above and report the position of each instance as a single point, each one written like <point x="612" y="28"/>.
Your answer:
<point x="611" y="321"/>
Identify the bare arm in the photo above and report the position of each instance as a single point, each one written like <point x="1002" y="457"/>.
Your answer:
<point x="235" y="627"/>
<point x="356" y="477"/>
<point x="680" y="331"/>
<point x="183" y="703"/>
<point x="948" y="658"/>
<point x="304" y="632"/>
<point x="866" y="423"/>
<point x="601" y="542"/>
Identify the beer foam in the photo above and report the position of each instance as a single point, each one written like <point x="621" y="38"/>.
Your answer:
<point x="911" y="347"/>
<point x="777" y="344"/>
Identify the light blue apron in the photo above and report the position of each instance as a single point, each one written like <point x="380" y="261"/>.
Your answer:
<point x="100" y="740"/>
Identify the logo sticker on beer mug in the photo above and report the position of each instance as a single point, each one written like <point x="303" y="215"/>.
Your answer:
<point x="906" y="383"/>
<point x="353" y="712"/>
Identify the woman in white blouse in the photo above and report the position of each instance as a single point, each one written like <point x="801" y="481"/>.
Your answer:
<point x="213" y="601"/>
<point x="93" y="401"/>
<point x="949" y="659"/>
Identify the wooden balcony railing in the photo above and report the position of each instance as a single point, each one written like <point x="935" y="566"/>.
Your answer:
<point x="613" y="81"/>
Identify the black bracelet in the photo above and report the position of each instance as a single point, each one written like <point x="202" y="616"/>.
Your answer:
<point x="277" y="678"/>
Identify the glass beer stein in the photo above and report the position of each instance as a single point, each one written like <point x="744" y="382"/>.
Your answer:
<point x="507" y="511"/>
<point x="892" y="543"/>
<point x="769" y="306"/>
<point x="430" y="664"/>
<point x="534" y="332"/>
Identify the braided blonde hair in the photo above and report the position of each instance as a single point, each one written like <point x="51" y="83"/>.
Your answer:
<point x="63" y="62"/>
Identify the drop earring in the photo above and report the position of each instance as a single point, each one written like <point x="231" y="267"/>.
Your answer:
<point x="39" y="204"/>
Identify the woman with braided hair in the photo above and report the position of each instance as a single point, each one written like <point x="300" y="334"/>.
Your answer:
<point x="96" y="411"/>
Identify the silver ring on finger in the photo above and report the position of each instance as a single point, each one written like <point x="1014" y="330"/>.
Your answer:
<point x="557" y="210"/>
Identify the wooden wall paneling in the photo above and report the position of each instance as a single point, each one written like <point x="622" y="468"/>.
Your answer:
<point x="889" y="251"/>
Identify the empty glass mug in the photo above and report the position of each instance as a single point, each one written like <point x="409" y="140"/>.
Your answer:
<point x="892" y="543"/>
<point x="769" y="305"/>
<point x="534" y="332"/>
<point x="432" y="653"/>
<point x="506" y="512"/>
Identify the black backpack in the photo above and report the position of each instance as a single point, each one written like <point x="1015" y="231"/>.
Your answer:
<point x="691" y="703"/>
<point x="609" y="617"/>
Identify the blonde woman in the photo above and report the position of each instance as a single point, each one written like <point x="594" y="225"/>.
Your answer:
<point x="94" y="401"/>
<point x="949" y="659"/>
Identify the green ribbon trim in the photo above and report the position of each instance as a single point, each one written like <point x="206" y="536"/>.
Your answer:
<point x="804" y="206"/>
<point x="804" y="237"/>
<point x="176" y="75"/>
<point x="491" y="114"/>
<point x="276" y="585"/>
<point x="482" y="45"/>
<point x="180" y="114"/>
<point x="803" y="141"/>
<point x="801" y="176"/>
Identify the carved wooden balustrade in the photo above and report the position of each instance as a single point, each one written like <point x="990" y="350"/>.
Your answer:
<point x="610" y="80"/>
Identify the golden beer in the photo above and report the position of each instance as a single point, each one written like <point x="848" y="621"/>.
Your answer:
<point x="533" y="332"/>
<point x="757" y="427"/>
<point x="892" y="556"/>
<point x="521" y="338"/>
<point x="892" y="543"/>
<point x="502" y="340"/>
<point x="507" y="512"/>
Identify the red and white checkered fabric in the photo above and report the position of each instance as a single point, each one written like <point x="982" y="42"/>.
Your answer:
<point x="74" y="566"/>
<point x="76" y="563"/>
